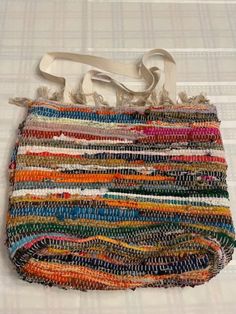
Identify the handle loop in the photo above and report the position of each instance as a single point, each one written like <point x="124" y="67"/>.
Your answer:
<point x="138" y="71"/>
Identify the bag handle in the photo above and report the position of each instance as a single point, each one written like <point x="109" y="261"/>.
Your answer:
<point x="139" y="70"/>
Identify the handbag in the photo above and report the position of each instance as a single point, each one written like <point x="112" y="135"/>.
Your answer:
<point x="107" y="197"/>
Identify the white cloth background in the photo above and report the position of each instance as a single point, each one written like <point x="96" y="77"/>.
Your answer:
<point x="202" y="37"/>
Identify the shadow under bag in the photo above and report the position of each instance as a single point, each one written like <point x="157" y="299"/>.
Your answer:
<point x="122" y="197"/>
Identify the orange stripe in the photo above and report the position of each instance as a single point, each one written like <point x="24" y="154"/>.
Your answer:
<point x="35" y="175"/>
<point x="73" y="275"/>
<point x="209" y="210"/>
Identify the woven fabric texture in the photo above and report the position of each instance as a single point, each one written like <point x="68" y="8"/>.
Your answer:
<point x="108" y="198"/>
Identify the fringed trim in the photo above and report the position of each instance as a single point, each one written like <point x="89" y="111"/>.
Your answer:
<point x="20" y="101"/>
<point x="46" y="93"/>
<point x="194" y="100"/>
<point x="160" y="99"/>
<point x="78" y="97"/>
<point x="123" y="99"/>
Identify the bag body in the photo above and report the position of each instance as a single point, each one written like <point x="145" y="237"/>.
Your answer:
<point x="119" y="198"/>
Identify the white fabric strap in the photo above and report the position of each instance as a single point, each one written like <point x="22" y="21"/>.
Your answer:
<point x="139" y="71"/>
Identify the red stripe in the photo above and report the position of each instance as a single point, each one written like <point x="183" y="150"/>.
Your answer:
<point x="47" y="154"/>
<point x="153" y="139"/>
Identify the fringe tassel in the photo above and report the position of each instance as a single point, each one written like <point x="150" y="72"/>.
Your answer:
<point x="194" y="100"/>
<point x="20" y="101"/>
<point x="80" y="98"/>
<point x="164" y="98"/>
<point x="45" y="92"/>
<point x="123" y="99"/>
<point x="77" y="97"/>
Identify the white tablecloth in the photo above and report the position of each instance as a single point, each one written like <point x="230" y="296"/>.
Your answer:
<point x="201" y="36"/>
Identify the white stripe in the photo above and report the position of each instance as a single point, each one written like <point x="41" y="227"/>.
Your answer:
<point x="210" y="200"/>
<point x="167" y="152"/>
<point x="102" y="191"/>
<point x="62" y="137"/>
<point x="86" y="167"/>
<point x="45" y="192"/>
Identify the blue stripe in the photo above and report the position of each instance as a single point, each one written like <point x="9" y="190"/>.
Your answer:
<point x="121" y="118"/>
<point x="110" y="215"/>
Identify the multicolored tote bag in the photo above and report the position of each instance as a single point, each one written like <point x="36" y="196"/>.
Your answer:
<point x="118" y="197"/>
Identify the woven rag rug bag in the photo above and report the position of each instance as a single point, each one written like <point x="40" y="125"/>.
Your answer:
<point x="118" y="196"/>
